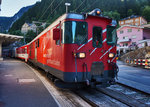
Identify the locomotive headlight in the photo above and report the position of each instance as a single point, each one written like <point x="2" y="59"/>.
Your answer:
<point x="81" y="55"/>
<point x="111" y="55"/>
<point x="98" y="12"/>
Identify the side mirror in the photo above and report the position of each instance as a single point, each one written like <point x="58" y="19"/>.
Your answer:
<point x="56" y="34"/>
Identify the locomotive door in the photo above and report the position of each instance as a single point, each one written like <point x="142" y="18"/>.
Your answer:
<point x="97" y="66"/>
<point x="97" y="37"/>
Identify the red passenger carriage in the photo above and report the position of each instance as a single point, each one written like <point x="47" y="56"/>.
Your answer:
<point x="77" y="48"/>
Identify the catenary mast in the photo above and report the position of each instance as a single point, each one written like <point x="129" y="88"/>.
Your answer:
<point x="0" y="4"/>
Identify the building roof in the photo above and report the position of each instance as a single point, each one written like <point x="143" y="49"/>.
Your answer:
<point x="130" y="26"/>
<point x="29" y="24"/>
<point x="7" y="39"/>
<point x="130" y="17"/>
<point x="146" y="26"/>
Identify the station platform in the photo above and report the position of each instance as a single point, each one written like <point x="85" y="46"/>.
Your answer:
<point x="20" y="87"/>
<point x="136" y="77"/>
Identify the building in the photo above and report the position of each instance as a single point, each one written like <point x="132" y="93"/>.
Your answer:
<point x="131" y="37"/>
<point x="133" y="20"/>
<point x="27" y="26"/>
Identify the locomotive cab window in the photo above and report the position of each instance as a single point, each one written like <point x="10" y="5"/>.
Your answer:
<point x="75" y="32"/>
<point x="111" y="35"/>
<point x="97" y="37"/>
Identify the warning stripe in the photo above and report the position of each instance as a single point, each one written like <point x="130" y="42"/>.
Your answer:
<point x="84" y="44"/>
<point x="96" y="48"/>
<point x="90" y="40"/>
<point x="106" y="52"/>
<point x="114" y="58"/>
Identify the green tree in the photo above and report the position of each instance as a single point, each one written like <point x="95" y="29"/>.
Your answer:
<point x="130" y="12"/>
<point x="30" y="36"/>
<point x="146" y="13"/>
<point x="114" y="15"/>
<point x="16" y="32"/>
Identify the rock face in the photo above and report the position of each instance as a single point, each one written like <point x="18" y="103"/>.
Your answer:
<point x="6" y="22"/>
<point x="137" y="54"/>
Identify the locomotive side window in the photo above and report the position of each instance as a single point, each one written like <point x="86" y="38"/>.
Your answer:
<point x="111" y="35"/>
<point x="25" y="49"/>
<point x="97" y="37"/>
<point x="75" y="32"/>
<point x="38" y="43"/>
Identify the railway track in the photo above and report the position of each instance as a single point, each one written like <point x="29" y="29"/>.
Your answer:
<point x="128" y="95"/>
<point x="76" y="98"/>
<point x="98" y="99"/>
<point x="116" y="95"/>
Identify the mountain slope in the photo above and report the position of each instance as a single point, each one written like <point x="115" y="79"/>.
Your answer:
<point x="7" y="22"/>
<point x="49" y="10"/>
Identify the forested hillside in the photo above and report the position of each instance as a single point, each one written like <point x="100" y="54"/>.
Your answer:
<point x="49" y="10"/>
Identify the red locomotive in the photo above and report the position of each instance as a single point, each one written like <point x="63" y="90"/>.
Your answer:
<point x="77" y="48"/>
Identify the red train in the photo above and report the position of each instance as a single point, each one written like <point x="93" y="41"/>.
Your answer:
<point x="23" y="52"/>
<point x="76" y="48"/>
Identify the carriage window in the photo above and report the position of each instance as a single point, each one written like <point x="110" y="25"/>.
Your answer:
<point x="31" y="47"/>
<point x="97" y="37"/>
<point x="75" y="32"/>
<point x="111" y="35"/>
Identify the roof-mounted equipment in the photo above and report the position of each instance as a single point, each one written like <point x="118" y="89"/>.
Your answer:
<point x="96" y="12"/>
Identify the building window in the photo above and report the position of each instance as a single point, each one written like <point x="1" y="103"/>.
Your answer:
<point x="134" y="36"/>
<point x="136" y="20"/>
<point x="133" y="43"/>
<point x="125" y="37"/>
<point x="121" y="32"/>
<point x="122" y="22"/>
<point x="125" y="44"/>
<point x="129" y="30"/>
<point x="136" y="24"/>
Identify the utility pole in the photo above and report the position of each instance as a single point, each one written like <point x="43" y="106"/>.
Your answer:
<point x="67" y="4"/>
<point x="0" y="4"/>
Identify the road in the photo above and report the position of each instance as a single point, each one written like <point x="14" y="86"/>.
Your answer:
<point x="136" y="77"/>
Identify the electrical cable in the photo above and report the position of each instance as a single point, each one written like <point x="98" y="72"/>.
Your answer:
<point x="46" y="10"/>
<point x="56" y="8"/>
<point x="90" y="6"/>
<point x="79" y="6"/>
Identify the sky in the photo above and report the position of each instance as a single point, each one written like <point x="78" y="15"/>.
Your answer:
<point x="10" y="7"/>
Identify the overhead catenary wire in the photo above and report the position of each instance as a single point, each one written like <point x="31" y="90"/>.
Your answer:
<point x="89" y="6"/>
<point x="79" y="6"/>
<point x="56" y="8"/>
<point x="47" y="9"/>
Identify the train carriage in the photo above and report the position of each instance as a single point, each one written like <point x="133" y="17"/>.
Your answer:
<point x="22" y="52"/>
<point x="77" y="48"/>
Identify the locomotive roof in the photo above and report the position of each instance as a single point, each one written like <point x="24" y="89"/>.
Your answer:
<point x="61" y="18"/>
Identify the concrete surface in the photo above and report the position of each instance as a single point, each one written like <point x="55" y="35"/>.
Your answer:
<point x="135" y="77"/>
<point x="20" y="87"/>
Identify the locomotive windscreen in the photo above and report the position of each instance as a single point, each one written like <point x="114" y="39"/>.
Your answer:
<point x="75" y="32"/>
<point x="111" y="35"/>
